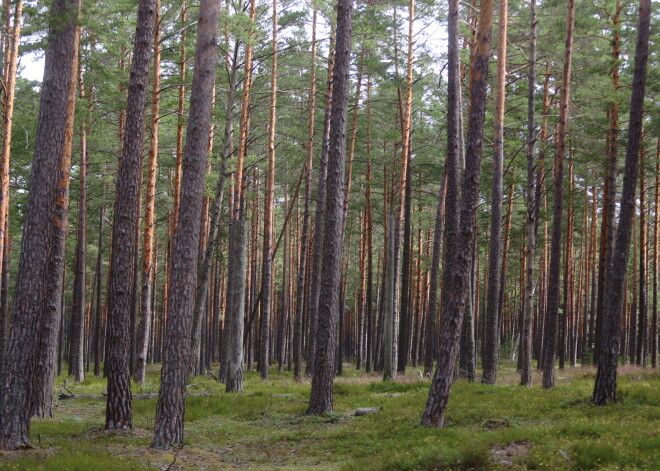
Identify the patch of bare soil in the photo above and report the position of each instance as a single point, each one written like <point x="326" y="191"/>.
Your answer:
<point x="505" y="455"/>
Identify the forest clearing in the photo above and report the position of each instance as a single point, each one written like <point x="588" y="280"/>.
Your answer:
<point x="261" y="234"/>
<point x="265" y="427"/>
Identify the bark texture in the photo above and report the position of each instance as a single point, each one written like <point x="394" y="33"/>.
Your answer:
<point x="170" y="411"/>
<point x="320" y="400"/>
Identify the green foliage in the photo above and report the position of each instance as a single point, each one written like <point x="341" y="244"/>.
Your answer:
<point x="265" y="427"/>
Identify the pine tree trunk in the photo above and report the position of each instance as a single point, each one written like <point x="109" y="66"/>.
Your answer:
<point x="76" y="362"/>
<point x="168" y="429"/>
<point x="144" y="325"/>
<point x="605" y="385"/>
<point x="530" y="216"/>
<point x="124" y="243"/>
<point x="550" y="332"/>
<point x="236" y="312"/>
<point x="491" y="353"/>
<point x="640" y="354"/>
<point x="317" y="245"/>
<point x="462" y="257"/>
<point x="388" y="301"/>
<point x="656" y="226"/>
<point x="99" y="307"/>
<point x="20" y="359"/>
<point x="321" y="398"/>
<point x="267" y="261"/>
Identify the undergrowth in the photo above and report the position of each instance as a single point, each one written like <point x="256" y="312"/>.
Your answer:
<point x="265" y="427"/>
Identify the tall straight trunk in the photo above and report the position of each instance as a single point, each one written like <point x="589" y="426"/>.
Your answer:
<point x="235" y="312"/>
<point x="568" y="279"/>
<point x="144" y="325"/>
<point x="203" y="276"/>
<point x="321" y="397"/>
<point x="532" y="203"/>
<point x="78" y="312"/>
<point x="388" y="301"/>
<point x="550" y="328"/>
<point x="369" y="311"/>
<point x="42" y="393"/>
<point x="317" y="245"/>
<point x="124" y="243"/>
<point x="304" y="240"/>
<point x="656" y="227"/>
<point x="605" y="385"/>
<point x="608" y="224"/>
<point x="20" y="360"/>
<point x="181" y="104"/>
<point x="98" y="322"/>
<point x="462" y="257"/>
<point x="640" y="354"/>
<point x="168" y="429"/>
<point x="403" y="217"/>
<point x="491" y="353"/>
<point x="244" y="125"/>
<point x="267" y="261"/>
<point x="453" y="162"/>
<point x="12" y="38"/>
<point x="430" y="325"/>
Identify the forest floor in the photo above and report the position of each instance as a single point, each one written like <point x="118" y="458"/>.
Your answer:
<point x="265" y="427"/>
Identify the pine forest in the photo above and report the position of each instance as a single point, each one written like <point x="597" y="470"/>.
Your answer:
<point x="334" y="235"/>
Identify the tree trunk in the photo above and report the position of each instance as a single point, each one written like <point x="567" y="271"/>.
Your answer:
<point x="532" y="204"/>
<point x="78" y="312"/>
<point x="605" y="385"/>
<point x="550" y="335"/>
<point x="267" y="261"/>
<point x="656" y="226"/>
<point x="317" y="245"/>
<point x="462" y="258"/>
<point x="236" y="312"/>
<point x="640" y="354"/>
<point x="124" y="243"/>
<point x="304" y="241"/>
<point x="168" y="429"/>
<point x="321" y="394"/>
<point x="30" y="318"/>
<point x="491" y="353"/>
<point x="203" y="277"/>
<point x="388" y="301"/>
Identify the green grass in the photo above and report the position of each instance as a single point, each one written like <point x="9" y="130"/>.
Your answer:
<point x="265" y="427"/>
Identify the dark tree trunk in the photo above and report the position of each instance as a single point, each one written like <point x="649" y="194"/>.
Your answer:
<point x="119" y="413"/>
<point x="20" y="360"/>
<point x="317" y="245"/>
<point x="550" y="327"/>
<point x="388" y="300"/>
<point x="532" y="205"/>
<point x="491" y="353"/>
<point x="462" y="257"/>
<point x="99" y="306"/>
<point x="324" y="369"/>
<point x="176" y="353"/>
<point x="605" y="385"/>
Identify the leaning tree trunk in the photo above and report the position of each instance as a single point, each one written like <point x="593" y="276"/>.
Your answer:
<point x="144" y="325"/>
<point x="531" y="203"/>
<point x="321" y="397"/>
<point x="491" y="353"/>
<point x="550" y="327"/>
<point x="119" y="414"/>
<point x="19" y="363"/>
<point x="462" y="258"/>
<point x="605" y="385"/>
<point x="176" y="353"/>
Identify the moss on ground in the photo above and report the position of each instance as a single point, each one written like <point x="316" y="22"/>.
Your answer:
<point x="265" y="427"/>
